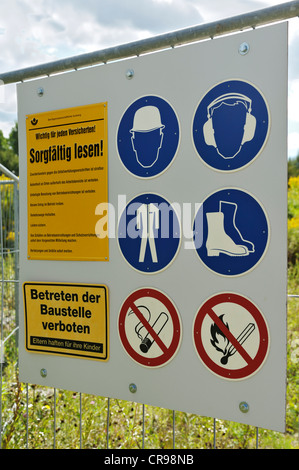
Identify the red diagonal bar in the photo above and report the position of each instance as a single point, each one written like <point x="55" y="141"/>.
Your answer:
<point x="149" y="328"/>
<point x="229" y="336"/>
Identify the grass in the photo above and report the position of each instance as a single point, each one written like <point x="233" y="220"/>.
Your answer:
<point x="125" y="425"/>
<point x="43" y="418"/>
<point x="30" y="412"/>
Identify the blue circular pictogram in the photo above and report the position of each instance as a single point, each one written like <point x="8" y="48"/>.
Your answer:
<point x="149" y="233"/>
<point x="148" y="136"/>
<point x="231" y="232"/>
<point x="231" y="125"/>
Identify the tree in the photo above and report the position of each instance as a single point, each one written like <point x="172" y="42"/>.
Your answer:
<point x="293" y="166"/>
<point x="9" y="150"/>
<point x="13" y="139"/>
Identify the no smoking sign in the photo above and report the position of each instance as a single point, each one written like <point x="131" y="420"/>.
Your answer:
<point x="149" y="327"/>
<point x="231" y="336"/>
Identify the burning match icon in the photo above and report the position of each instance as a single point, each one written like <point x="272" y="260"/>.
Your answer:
<point x="221" y="343"/>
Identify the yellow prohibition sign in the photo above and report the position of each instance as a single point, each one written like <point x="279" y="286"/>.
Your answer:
<point x="67" y="319"/>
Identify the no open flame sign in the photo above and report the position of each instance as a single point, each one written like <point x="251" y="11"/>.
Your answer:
<point x="231" y="336"/>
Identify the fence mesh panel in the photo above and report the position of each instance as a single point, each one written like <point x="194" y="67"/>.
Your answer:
<point x="38" y="417"/>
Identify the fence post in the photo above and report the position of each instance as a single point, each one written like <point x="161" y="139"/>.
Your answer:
<point x="16" y="253"/>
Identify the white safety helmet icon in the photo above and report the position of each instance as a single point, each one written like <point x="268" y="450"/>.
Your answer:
<point x="147" y="119"/>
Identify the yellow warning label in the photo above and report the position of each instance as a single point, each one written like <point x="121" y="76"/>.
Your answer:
<point x="67" y="178"/>
<point x="67" y="319"/>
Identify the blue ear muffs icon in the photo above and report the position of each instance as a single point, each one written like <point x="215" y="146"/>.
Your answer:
<point x="229" y="99"/>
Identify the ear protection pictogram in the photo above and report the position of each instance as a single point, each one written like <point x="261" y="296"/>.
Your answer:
<point x="249" y="127"/>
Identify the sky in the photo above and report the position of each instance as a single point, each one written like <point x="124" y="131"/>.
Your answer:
<point x="41" y="31"/>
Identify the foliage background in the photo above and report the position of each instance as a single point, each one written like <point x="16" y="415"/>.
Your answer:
<point x="45" y="418"/>
<point x="9" y="150"/>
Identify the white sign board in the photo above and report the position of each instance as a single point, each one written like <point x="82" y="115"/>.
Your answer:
<point x="194" y="306"/>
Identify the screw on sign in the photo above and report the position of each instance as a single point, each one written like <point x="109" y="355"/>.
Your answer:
<point x="149" y="327"/>
<point x="231" y="336"/>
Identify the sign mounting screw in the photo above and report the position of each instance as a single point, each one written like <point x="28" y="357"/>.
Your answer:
<point x="244" y="48"/>
<point x="244" y="407"/>
<point x="40" y="91"/>
<point x="133" y="388"/>
<point x="130" y="74"/>
<point x="43" y="372"/>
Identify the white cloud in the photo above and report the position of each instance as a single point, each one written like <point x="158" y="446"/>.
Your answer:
<point x="293" y="144"/>
<point x="46" y="30"/>
<point x="293" y="101"/>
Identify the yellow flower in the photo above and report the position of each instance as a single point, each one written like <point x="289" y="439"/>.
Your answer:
<point x="10" y="236"/>
<point x="294" y="182"/>
<point x="293" y="223"/>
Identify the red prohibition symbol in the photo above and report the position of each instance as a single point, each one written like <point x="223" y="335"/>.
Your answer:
<point x="231" y="336"/>
<point x="149" y="327"/>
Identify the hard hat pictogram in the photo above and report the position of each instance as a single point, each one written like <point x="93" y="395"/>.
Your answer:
<point x="148" y="136"/>
<point x="146" y="119"/>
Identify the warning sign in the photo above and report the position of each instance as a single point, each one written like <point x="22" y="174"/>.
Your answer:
<point x="191" y="216"/>
<point x="231" y="336"/>
<point x="148" y="136"/>
<point x="67" y="178"/>
<point x="67" y="319"/>
<point x="231" y="125"/>
<point x="235" y="232"/>
<point x="149" y="233"/>
<point x="149" y="327"/>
